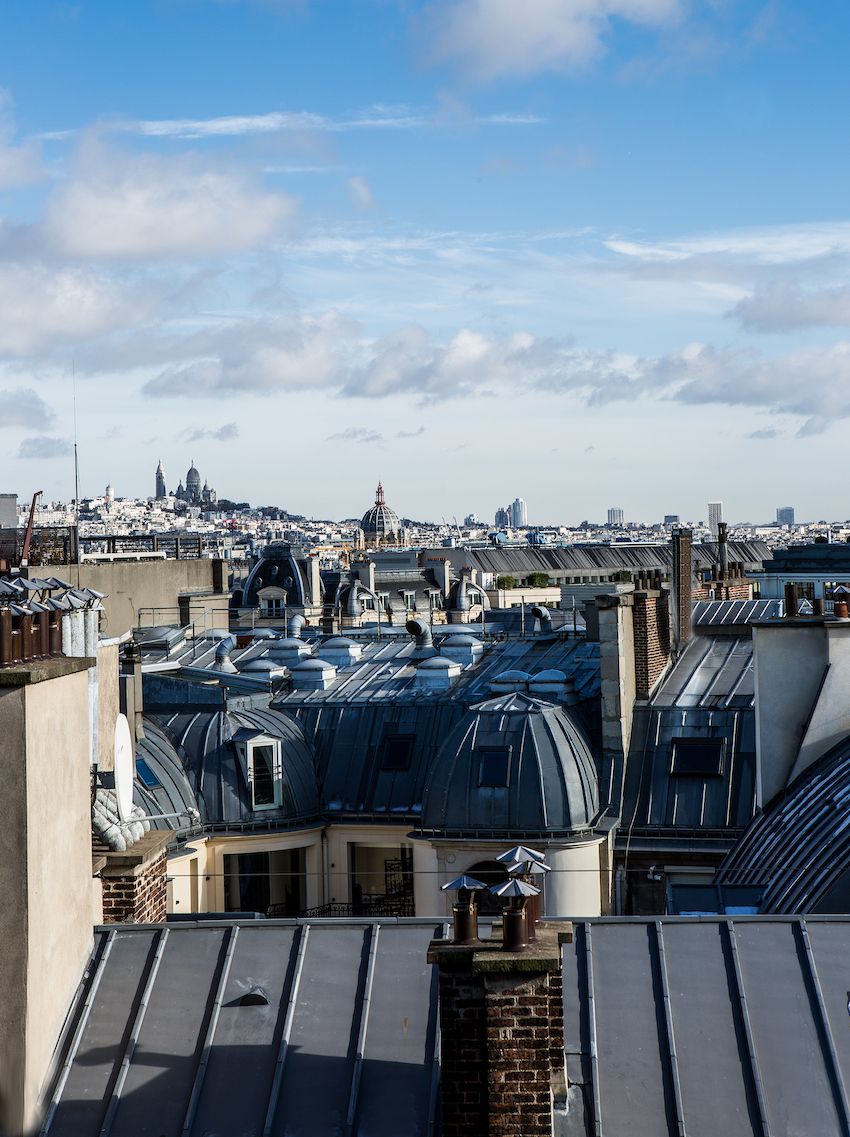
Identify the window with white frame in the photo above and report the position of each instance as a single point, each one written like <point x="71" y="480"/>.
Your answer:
<point x="265" y="773"/>
<point x="410" y="601"/>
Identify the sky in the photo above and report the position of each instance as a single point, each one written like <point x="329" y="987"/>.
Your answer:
<point x="591" y="253"/>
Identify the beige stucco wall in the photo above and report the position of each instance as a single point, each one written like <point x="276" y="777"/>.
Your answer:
<point x="47" y="896"/>
<point x="108" y="702"/>
<point x="134" y="588"/>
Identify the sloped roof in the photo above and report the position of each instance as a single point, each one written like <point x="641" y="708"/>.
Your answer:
<point x="347" y="1042"/>
<point x="704" y="1027"/>
<point x="708" y="694"/>
<point x="798" y="849"/>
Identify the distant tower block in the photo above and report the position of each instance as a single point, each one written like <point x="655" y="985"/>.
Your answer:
<point x="715" y="515"/>
<point x="160" y="482"/>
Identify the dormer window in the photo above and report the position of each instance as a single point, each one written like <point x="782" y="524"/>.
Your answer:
<point x="262" y="764"/>
<point x="494" y="767"/>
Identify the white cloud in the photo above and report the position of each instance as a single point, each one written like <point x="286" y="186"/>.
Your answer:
<point x="360" y="193"/>
<point x="41" y="304"/>
<point x="356" y="434"/>
<point x="225" y="433"/>
<point x="783" y="307"/>
<point x="19" y="165"/>
<point x="266" y="355"/>
<point x="43" y="447"/>
<point x="23" y="407"/>
<point x="488" y="39"/>
<point x="378" y="117"/>
<point x="141" y="206"/>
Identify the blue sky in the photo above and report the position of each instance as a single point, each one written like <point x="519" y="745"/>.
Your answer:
<point x="591" y="252"/>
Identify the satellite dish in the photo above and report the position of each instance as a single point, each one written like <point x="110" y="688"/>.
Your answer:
<point x="125" y="767"/>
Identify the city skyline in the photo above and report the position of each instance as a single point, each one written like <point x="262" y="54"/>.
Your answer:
<point x="512" y="247"/>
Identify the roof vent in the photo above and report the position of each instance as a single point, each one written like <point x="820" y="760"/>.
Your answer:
<point x="552" y="684"/>
<point x="341" y="651"/>
<point x="256" y="997"/>
<point x="421" y="633"/>
<point x="312" y="675"/>
<point x="294" y="625"/>
<point x="223" y="662"/>
<point x="543" y="617"/>
<point x="510" y="681"/>
<point x="288" y="652"/>
<point x="465" y="650"/>
<point x="437" y="673"/>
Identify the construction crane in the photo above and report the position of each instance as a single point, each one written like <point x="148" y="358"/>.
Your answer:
<point x="25" y="550"/>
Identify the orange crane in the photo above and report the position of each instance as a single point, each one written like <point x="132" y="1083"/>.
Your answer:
<point x="25" y="551"/>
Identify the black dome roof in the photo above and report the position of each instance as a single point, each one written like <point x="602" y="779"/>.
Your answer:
<point x="513" y="763"/>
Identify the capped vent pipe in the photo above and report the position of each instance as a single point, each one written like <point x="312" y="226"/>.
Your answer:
<point x="294" y="625"/>
<point x="224" y="647"/>
<point x="541" y="612"/>
<point x="421" y="633"/>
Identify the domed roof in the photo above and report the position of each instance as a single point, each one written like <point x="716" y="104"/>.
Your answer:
<point x="193" y="478"/>
<point x="161" y="785"/>
<point x="514" y="764"/>
<point x="798" y="849"/>
<point x="216" y="772"/>
<point x="380" y="523"/>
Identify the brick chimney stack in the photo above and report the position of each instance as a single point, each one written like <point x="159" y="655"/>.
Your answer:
<point x="681" y="590"/>
<point x="502" y="1036"/>
<point x="651" y="616"/>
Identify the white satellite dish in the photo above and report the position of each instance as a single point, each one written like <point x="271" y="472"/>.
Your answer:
<point x="125" y="767"/>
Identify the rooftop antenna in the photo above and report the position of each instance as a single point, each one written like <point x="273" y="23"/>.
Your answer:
<point x="76" y="473"/>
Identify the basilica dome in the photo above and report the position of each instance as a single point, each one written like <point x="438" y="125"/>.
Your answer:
<point x="380" y="524"/>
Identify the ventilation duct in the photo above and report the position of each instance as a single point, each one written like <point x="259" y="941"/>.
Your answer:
<point x="424" y="642"/>
<point x="294" y="625"/>
<point x="543" y="616"/>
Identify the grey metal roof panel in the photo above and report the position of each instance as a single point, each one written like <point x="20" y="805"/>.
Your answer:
<point x="712" y="1026"/>
<point x="161" y="1045"/>
<point x="522" y="560"/>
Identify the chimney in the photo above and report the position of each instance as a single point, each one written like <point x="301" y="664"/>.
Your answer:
<point x="802" y="672"/>
<point x="681" y="585"/>
<point x="723" y="551"/>
<point x="503" y="1070"/>
<point x="131" y="702"/>
<point x="651" y="639"/>
<point x="315" y="578"/>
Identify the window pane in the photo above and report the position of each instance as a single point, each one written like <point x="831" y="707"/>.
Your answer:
<point x="396" y="751"/>
<point x="146" y="775"/>
<point x="262" y="775"/>
<point x="494" y="766"/>
<point x="699" y="757"/>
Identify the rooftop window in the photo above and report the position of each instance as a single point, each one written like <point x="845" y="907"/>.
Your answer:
<point x="263" y="766"/>
<point x="698" y="757"/>
<point x="146" y="775"/>
<point x="396" y="751"/>
<point x="494" y="767"/>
